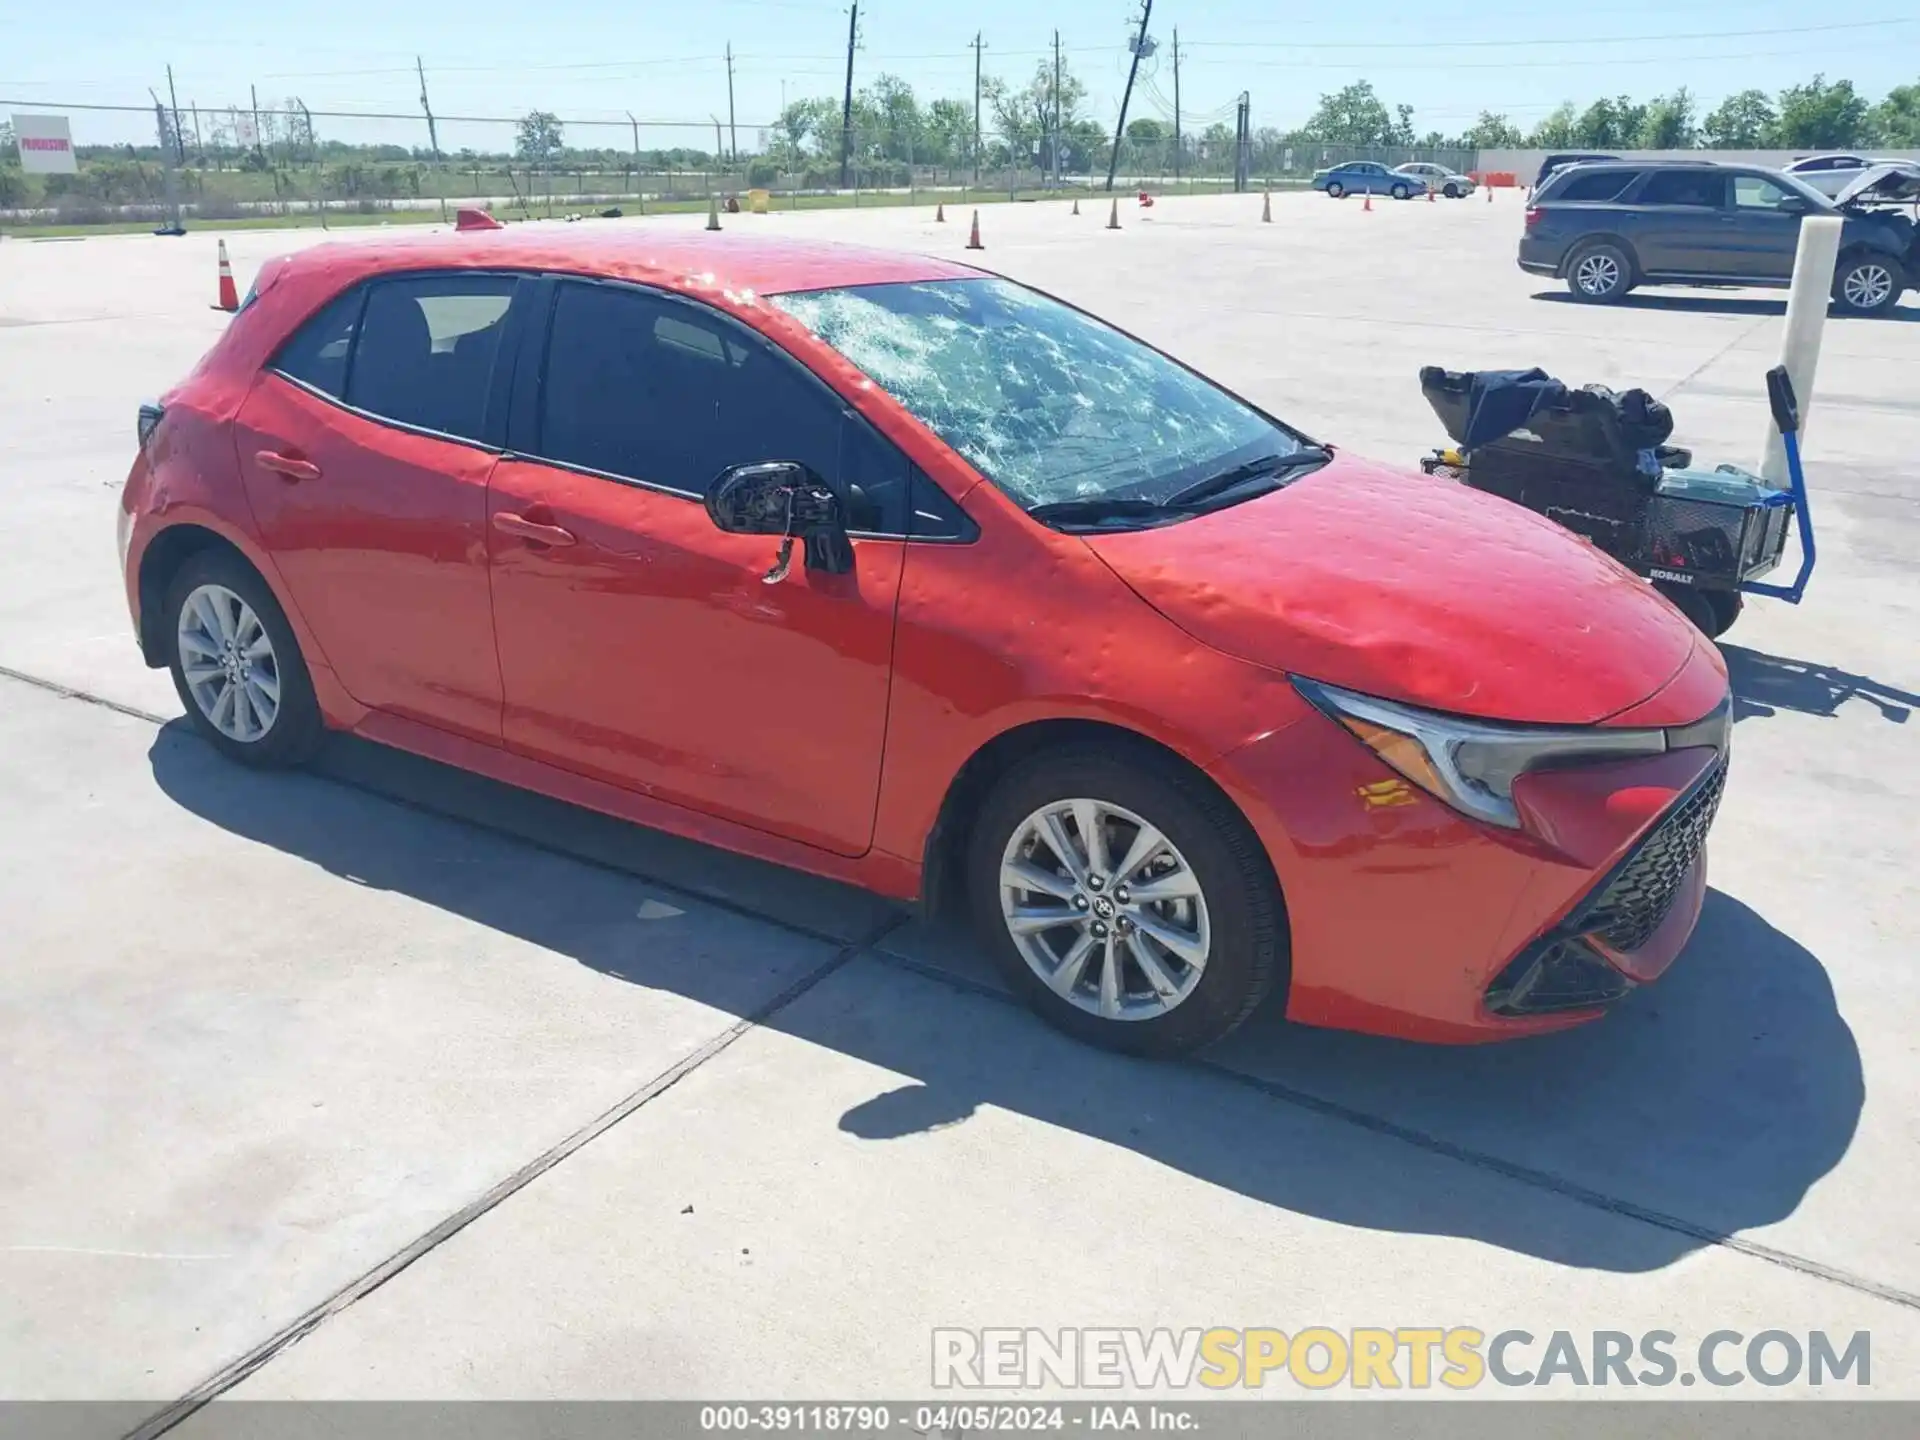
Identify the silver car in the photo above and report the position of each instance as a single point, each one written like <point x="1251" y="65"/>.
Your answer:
<point x="1830" y="174"/>
<point x="1450" y="183"/>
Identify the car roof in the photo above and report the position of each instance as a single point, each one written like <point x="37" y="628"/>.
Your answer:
<point x="673" y="258"/>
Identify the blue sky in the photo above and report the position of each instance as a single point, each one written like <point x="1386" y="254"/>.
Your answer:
<point x="601" y="59"/>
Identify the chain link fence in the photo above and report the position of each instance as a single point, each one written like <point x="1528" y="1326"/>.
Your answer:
<point x="234" y="167"/>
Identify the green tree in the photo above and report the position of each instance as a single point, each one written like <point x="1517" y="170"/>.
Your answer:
<point x="1493" y="132"/>
<point x="1744" y="121"/>
<point x="950" y="131"/>
<point x="1560" y="130"/>
<point x="807" y="127"/>
<point x="1668" y="123"/>
<point x="1610" y="124"/>
<point x="1821" y="116"/>
<point x="538" y="140"/>
<point x="1024" y="117"/>
<point x="1353" y="115"/>
<point x="1896" y="119"/>
<point x="892" y="113"/>
<point x="1147" y="130"/>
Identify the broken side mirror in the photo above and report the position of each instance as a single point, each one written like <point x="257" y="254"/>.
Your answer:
<point x="1786" y="407"/>
<point x="784" y="498"/>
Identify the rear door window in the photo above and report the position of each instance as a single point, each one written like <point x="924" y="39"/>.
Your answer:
<point x="645" y="388"/>
<point x="425" y="351"/>
<point x="1599" y="185"/>
<point x="1704" y="189"/>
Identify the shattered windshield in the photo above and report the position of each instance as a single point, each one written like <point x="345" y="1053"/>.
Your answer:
<point x="1047" y="403"/>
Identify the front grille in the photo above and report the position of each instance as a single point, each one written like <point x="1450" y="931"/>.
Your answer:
<point x="1641" y="892"/>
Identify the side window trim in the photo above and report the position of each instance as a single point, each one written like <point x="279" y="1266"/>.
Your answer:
<point x="529" y="384"/>
<point x="493" y="416"/>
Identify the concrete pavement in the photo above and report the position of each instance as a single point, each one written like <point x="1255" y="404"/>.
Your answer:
<point x="264" y="1034"/>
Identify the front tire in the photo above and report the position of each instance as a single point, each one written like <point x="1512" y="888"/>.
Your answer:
<point x="1401" y="192"/>
<point x="1125" y="900"/>
<point x="1599" y="273"/>
<point x="1335" y="190"/>
<point x="1867" y="284"/>
<point x="236" y="664"/>
<point x="1452" y="192"/>
<point x="1693" y="604"/>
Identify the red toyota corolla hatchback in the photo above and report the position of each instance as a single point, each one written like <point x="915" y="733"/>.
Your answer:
<point x="891" y="570"/>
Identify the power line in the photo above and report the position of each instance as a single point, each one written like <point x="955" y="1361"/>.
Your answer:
<point x="1583" y="41"/>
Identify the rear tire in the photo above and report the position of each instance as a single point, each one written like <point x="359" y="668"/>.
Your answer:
<point x="1222" y="906"/>
<point x="1599" y="272"/>
<point x="1867" y="284"/>
<point x="236" y="664"/>
<point x="1335" y="190"/>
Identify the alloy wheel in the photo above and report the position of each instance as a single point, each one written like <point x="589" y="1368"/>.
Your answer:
<point x="1597" y="274"/>
<point x="1866" y="287"/>
<point x="1104" y="909"/>
<point x="227" y="658"/>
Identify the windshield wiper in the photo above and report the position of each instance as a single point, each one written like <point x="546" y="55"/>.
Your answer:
<point x="1267" y="465"/>
<point x="1094" y="508"/>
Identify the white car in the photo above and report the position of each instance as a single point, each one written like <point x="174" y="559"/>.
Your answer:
<point x="1830" y="174"/>
<point x="1450" y="183"/>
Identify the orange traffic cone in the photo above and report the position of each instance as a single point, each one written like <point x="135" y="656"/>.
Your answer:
<point x="1366" y="201"/>
<point x="1429" y="194"/>
<point x="1113" y="216"/>
<point x="1489" y="194"/>
<point x="229" y="296"/>
<point x="713" y="212"/>
<point x="1266" y="206"/>
<point x="940" y="213"/>
<point x="1076" y="204"/>
<point x="973" y="239"/>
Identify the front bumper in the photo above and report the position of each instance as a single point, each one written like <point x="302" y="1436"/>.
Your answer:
<point x="1408" y="919"/>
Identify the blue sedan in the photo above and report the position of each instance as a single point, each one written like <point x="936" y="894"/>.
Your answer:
<point x="1367" y="177"/>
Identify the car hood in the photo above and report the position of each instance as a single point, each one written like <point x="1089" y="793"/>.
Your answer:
<point x="1891" y="181"/>
<point x="1413" y="589"/>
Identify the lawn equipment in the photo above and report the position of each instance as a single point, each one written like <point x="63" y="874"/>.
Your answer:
<point x="1596" y="462"/>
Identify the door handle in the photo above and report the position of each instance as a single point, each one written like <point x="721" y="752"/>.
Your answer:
<point x="288" y="467"/>
<point x="532" y="531"/>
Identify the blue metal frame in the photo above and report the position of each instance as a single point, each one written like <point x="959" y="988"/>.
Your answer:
<point x="1796" y="496"/>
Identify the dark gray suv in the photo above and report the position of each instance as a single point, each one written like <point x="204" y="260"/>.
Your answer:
<point x="1607" y="227"/>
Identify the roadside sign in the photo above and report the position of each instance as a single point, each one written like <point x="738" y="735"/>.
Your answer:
<point x="46" y="144"/>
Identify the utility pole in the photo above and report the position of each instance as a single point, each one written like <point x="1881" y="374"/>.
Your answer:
<point x="846" y="108"/>
<point x="253" y="94"/>
<point x="733" y="132"/>
<point x="1139" y="48"/>
<point x="179" y="141"/>
<point x="976" y="106"/>
<point x="433" y="131"/>
<point x="433" y="136"/>
<point x="199" y="145"/>
<point x="1056" y="109"/>
<point x="1176" y="102"/>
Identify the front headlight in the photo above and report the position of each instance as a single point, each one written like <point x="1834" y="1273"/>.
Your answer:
<point x="1469" y="764"/>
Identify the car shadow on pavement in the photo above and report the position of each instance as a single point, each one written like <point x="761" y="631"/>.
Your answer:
<point x="1767" y="684"/>
<point x="1711" y="303"/>
<point x="1715" y="1099"/>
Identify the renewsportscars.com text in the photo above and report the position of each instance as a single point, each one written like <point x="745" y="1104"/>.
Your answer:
<point x="1454" y="1358"/>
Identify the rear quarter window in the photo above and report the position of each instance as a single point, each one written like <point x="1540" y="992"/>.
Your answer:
<point x="316" y="354"/>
